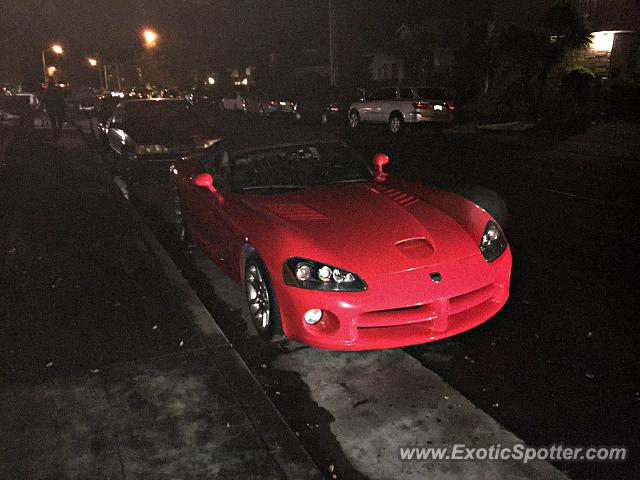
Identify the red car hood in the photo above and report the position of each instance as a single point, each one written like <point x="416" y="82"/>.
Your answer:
<point x="365" y="227"/>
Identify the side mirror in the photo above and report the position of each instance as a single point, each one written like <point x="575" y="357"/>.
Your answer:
<point x="379" y="161"/>
<point x="204" y="180"/>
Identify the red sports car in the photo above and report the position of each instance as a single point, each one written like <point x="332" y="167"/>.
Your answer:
<point x="335" y="253"/>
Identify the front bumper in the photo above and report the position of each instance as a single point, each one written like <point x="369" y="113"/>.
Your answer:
<point x="401" y="309"/>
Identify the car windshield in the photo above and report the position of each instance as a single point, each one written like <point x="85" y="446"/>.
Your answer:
<point x="433" y="93"/>
<point x="297" y="166"/>
<point x="151" y="110"/>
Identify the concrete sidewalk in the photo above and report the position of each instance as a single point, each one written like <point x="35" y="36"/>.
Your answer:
<point x="109" y="365"/>
<point x="615" y="140"/>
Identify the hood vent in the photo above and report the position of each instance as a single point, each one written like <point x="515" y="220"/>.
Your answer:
<point x="294" y="211"/>
<point x="397" y="196"/>
<point x="415" y="248"/>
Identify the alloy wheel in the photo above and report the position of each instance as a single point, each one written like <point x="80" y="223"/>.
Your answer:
<point x="354" y="119"/>
<point x="394" y="124"/>
<point x="258" y="297"/>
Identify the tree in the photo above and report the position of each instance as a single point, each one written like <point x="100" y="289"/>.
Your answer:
<point x="414" y="45"/>
<point x="474" y="56"/>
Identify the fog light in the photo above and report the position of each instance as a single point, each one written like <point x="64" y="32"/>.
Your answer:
<point x="313" y="316"/>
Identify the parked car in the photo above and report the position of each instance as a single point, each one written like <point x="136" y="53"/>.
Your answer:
<point x="265" y="102"/>
<point x="335" y="253"/>
<point x="233" y="101"/>
<point x="151" y="130"/>
<point x="34" y="101"/>
<point x="326" y="105"/>
<point x="24" y="106"/>
<point x="400" y="106"/>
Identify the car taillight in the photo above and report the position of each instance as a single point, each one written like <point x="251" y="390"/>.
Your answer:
<point x="335" y="107"/>
<point x="451" y="108"/>
<point x="421" y="105"/>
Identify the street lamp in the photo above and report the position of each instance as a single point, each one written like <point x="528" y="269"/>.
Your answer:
<point x="94" y="63"/>
<point x="58" y="50"/>
<point x="150" y="38"/>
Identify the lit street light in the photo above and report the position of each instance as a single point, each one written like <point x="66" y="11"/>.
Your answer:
<point x="58" y="50"/>
<point x="150" y="38"/>
<point x="94" y="63"/>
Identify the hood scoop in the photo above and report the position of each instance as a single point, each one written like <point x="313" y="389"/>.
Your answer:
<point x="415" y="248"/>
<point x="294" y="211"/>
<point x="401" y="198"/>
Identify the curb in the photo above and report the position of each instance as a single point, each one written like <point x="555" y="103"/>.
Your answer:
<point x="278" y="438"/>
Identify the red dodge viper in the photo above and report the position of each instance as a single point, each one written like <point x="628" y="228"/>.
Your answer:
<point x="335" y="253"/>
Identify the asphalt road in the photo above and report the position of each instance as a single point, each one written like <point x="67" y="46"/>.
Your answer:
<point x="558" y="363"/>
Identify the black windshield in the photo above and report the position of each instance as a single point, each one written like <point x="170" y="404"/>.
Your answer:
<point x="297" y="166"/>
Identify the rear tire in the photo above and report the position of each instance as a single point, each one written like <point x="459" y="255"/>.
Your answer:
<point x="354" y="119"/>
<point x="394" y="124"/>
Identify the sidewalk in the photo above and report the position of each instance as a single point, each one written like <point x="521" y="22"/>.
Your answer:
<point x="103" y="371"/>
<point x="610" y="141"/>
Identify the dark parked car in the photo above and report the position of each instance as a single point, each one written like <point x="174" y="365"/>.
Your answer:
<point x="21" y="105"/>
<point x="326" y="105"/>
<point x="155" y="130"/>
<point x="146" y="137"/>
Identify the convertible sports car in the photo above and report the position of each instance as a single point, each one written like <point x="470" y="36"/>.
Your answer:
<point x="335" y="253"/>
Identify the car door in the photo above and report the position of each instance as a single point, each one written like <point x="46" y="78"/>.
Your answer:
<point x="385" y="105"/>
<point x="368" y="106"/>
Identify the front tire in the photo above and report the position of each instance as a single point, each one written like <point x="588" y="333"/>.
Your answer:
<point x="263" y="306"/>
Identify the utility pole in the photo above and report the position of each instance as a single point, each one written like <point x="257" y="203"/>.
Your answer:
<point x="332" y="45"/>
<point x="106" y="77"/>
<point x="118" y="74"/>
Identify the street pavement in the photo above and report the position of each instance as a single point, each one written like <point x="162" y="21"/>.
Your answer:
<point x="557" y="365"/>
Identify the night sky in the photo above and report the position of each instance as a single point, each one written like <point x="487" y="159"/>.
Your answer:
<point x="213" y="33"/>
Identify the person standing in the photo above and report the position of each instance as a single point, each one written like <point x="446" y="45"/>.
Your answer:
<point x="55" y="106"/>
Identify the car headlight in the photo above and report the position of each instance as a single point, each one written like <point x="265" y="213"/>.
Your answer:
<point x="304" y="273"/>
<point x="493" y="242"/>
<point x="150" y="149"/>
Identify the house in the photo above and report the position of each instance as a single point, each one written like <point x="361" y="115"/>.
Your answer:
<point x="386" y="67"/>
<point x="614" y="52"/>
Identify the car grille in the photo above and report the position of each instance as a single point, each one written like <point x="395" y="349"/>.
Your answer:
<point x="431" y="318"/>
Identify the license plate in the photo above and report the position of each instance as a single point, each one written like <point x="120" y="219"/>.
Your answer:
<point x="438" y="107"/>
<point x="283" y="103"/>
